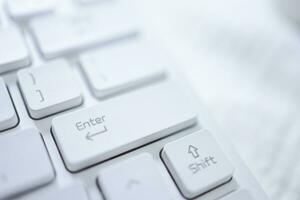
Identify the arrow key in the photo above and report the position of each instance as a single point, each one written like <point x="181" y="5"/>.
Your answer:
<point x="135" y="178"/>
<point x="197" y="163"/>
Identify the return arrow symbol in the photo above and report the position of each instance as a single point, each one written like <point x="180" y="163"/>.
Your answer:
<point x="193" y="151"/>
<point x="90" y="136"/>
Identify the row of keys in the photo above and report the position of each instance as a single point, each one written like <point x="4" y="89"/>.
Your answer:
<point x="58" y="35"/>
<point x="200" y="170"/>
<point x="53" y="87"/>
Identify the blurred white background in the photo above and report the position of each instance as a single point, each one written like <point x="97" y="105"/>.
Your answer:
<point x="243" y="59"/>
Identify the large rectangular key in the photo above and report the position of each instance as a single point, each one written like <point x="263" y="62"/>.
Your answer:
<point x="58" y="35"/>
<point x="24" y="163"/>
<point x="113" y="127"/>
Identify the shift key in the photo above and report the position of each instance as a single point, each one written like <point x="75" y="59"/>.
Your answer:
<point x="197" y="163"/>
<point x="117" y="125"/>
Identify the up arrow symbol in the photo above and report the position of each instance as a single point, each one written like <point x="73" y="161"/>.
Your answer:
<point x="193" y="151"/>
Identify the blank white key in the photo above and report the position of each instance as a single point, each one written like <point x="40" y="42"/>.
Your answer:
<point x="239" y="195"/>
<point x="136" y="178"/>
<point x="24" y="163"/>
<point x="49" y="89"/>
<point x="62" y="34"/>
<point x="14" y="53"/>
<point x="8" y="115"/>
<point x="22" y="10"/>
<point x="122" y="66"/>
<point x="121" y="124"/>
<point x="197" y="163"/>
<point x="74" y="192"/>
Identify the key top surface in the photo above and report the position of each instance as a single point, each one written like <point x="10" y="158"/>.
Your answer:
<point x="24" y="163"/>
<point x="8" y="115"/>
<point x="49" y="89"/>
<point x="134" y="179"/>
<point x="134" y="61"/>
<point x="74" y="192"/>
<point x="22" y="10"/>
<point x="197" y="163"/>
<point x="121" y="124"/>
<point x="63" y="34"/>
<point x="16" y="53"/>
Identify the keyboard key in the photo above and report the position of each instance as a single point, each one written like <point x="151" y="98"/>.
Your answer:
<point x="74" y="192"/>
<point x="63" y="34"/>
<point x="49" y="89"/>
<point x="16" y="53"/>
<point x="121" y="124"/>
<point x="135" y="63"/>
<point x="8" y="115"/>
<point x="239" y="195"/>
<point x="136" y="178"/>
<point x="197" y="163"/>
<point x="24" y="163"/>
<point x="21" y="10"/>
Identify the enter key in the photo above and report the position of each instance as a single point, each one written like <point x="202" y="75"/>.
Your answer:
<point x="197" y="163"/>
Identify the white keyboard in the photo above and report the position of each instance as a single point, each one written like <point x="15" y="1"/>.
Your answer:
<point x="92" y="109"/>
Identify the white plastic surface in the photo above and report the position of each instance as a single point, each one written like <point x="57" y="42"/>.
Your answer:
<point x="8" y="115"/>
<point x="22" y="10"/>
<point x="58" y="35"/>
<point x="122" y="66"/>
<point x="197" y="163"/>
<point x="14" y="53"/>
<point x="24" y="163"/>
<point x="113" y="127"/>
<point x="136" y="178"/>
<point x="49" y="89"/>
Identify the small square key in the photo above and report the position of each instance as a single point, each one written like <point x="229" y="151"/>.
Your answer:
<point x="49" y="89"/>
<point x="135" y="179"/>
<point x="197" y="163"/>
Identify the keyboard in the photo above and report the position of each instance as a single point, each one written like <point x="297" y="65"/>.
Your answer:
<point x="92" y="108"/>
